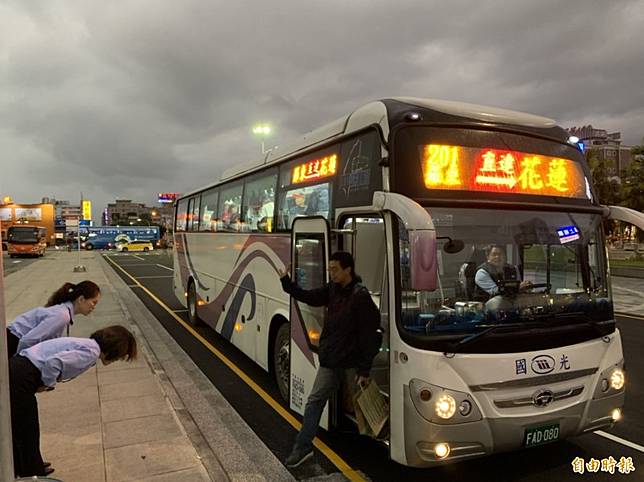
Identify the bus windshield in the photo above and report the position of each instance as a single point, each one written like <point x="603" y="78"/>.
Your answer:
<point x="503" y="266"/>
<point x="24" y="235"/>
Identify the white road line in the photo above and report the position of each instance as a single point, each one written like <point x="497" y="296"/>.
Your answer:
<point x="161" y="266"/>
<point x="138" y="257"/>
<point x="147" y="277"/>
<point x="615" y="438"/>
<point x="180" y="311"/>
<point x="17" y="261"/>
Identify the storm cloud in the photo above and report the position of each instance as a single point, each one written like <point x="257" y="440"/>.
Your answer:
<point x="126" y="99"/>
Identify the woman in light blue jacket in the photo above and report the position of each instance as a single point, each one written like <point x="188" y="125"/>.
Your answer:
<point x="39" y="368"/>
<point x="50" y="321"/>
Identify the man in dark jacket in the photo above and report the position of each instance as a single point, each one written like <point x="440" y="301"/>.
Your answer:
<point x="350" y="339"/>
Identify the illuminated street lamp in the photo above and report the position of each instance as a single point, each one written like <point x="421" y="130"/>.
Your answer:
<point x="262" y="130"/>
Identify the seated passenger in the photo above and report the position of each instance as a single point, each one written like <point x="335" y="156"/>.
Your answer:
<point x="495" y="269"/>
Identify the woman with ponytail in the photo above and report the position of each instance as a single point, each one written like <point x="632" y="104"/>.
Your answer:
<point x="50" y="321"/>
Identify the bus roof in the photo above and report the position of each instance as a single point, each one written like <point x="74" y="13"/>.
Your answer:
<point x="375" y="113"/>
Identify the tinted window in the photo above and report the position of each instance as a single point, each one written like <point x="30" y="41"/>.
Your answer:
<point x="182" y="209"/>
<point x="229" y="210"/>
<point x="304" y="201"/>
<point x="208" y="216"/>
<point x="259" y="202"/>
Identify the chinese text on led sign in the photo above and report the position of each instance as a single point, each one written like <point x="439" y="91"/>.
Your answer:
<point x="494" y="170"/>
<point x="315" y="169"/>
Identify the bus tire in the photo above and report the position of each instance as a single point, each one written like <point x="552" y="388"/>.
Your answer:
<point x="193" y="316"/>
<point x="282" y="359"/>
<point x="89" y="247"/>
<point x="124" y="250"/>
<point x="146" y="250"/>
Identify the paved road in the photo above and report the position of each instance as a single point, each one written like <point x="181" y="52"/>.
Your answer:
<point x="12" y="265"/>
<point x="550" y="462"/>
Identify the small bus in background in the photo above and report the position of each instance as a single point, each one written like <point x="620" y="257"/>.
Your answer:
<point x="26" y="241"/>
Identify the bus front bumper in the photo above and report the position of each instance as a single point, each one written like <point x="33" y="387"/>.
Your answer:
<point x="492" y="435"/>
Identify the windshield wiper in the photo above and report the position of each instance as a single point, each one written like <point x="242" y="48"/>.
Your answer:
<point x="455" y="347"/>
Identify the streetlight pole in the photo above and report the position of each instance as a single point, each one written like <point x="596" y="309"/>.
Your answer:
<point x="262" y="130"/>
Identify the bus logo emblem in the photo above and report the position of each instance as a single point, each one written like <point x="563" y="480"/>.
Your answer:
<point x="542" y="398"/>
<point x="543" y="364"/>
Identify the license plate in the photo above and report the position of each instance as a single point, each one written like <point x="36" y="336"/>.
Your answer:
<point x="541" y="435"/>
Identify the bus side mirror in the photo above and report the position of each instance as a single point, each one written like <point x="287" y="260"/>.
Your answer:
<point x="423" y="262"/>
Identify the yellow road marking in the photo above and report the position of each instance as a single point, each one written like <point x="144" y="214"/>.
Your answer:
<point x="335" y="459"/>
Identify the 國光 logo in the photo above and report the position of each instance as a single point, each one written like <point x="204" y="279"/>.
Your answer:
<point x="542" y="364"/>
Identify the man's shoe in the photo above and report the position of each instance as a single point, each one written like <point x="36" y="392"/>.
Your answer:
<point x="46" y="464"/>
<point x="298" y="457"/>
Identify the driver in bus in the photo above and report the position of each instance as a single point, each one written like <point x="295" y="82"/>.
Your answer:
<point x="494" y="270"/>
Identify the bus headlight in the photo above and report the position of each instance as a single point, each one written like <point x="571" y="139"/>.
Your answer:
<point x="446" y="406"/>
<point x="617" y="379"/>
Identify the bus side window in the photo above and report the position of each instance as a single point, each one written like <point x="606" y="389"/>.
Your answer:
<point x="209" y="210"/>
<point x="229" y="210"/>
<point x="259" y="199"/>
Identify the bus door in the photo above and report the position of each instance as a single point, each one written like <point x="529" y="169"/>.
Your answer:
<point x="309" y="260"/>
<point x="411" y="244"/>
<point x="363" y="235"/>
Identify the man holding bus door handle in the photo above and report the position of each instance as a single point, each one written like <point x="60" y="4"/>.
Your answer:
<point x="350" y="339"/>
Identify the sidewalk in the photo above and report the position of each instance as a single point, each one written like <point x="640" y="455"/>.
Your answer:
<point x="157" y="419"/>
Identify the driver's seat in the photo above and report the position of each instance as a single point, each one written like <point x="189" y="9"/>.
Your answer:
<point x="467" y="272"/>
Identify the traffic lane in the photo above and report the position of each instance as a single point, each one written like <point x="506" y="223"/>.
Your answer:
<point x="533" y="464"/>
<point x="11" y="265"/>
<point x="632" y="331"/>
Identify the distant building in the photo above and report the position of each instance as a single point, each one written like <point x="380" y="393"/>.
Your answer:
<point x="124" y="211"/>
<point x="607" y="146"/>
<point x="163" y="215"/>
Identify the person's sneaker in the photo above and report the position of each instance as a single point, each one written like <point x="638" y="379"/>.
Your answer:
<point x="298" y="457"/>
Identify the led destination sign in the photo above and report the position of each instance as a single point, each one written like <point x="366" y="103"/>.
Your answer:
<point x="503" y="171"/>
<point x="315" y="169"/>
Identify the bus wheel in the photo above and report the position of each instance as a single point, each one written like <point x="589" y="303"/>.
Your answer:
<point x="89" y="247"/>
<point x="282" y="359"/>
<point x="193" y="317"/>
<point x="146" y="249"/>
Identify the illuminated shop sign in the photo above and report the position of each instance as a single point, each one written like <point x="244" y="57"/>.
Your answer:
<point x="167" y="197"/>
<point x="495" y="170"/>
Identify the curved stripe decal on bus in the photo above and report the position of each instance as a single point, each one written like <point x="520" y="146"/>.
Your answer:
<point x="191" y="268"/>
<point x="212" y="311"/>
<point x="247" y="287"/>
<point x="278" y="244"/>
<point x="298" y="333"/>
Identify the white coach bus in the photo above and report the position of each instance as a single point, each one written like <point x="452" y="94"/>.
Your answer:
<point x="417" y="190"/>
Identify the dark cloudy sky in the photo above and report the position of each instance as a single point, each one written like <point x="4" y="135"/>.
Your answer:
<point x="128" y="98"/>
